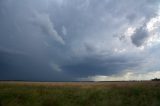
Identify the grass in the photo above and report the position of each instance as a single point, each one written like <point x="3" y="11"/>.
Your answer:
<point x="80" y="94"/>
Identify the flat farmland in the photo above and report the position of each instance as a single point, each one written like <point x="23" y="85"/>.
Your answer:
<point x="129" y="93"/>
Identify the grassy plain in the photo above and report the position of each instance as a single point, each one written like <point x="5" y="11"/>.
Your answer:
<point x="145" y="93"/>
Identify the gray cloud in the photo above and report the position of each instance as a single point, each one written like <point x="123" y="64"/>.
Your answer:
<point x="46" y="25"/>
<point x="92" y="66"/>
<point x="68" y="39"/>
<point x="140" y="36"/>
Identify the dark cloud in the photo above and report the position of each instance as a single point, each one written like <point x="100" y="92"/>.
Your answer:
<point x="97" y="65"/>
<point x="140" y="36"/>
<point x="22" y="67"/>
<point x="67" y="39"/>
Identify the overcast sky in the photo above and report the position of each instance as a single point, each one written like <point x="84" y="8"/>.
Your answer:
<point x="70" y="40"/>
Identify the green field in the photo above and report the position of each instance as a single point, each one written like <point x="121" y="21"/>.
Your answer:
<point x="80" y="94"/>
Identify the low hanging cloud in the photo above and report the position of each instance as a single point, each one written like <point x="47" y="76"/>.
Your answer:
<point x="128" y="76"/>
<point x="55" y="67"/>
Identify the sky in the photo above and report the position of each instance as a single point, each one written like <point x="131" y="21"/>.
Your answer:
<point x="79" y="40"/>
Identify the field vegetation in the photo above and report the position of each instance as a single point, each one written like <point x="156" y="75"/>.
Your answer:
<point x="80" y="93"/>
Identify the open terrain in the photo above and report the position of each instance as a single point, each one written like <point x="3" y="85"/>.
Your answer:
<point x="143" y="93"/>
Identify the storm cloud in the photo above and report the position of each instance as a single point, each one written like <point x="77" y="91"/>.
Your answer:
<point x="64" y="40"/>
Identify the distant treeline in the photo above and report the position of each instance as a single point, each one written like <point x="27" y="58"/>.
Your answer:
<point x="156" y="79"/>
